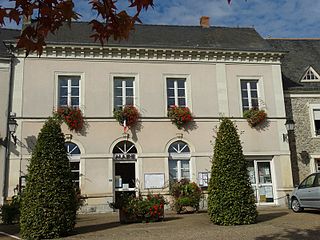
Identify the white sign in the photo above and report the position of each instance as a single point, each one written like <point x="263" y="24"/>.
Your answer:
<point x="153" y="180"/>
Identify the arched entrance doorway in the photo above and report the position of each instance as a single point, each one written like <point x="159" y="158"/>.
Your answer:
<point x="74" y="152"/>
<point x="124" y="158"/>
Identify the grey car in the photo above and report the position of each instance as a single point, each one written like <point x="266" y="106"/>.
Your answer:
<point x="307" y="194"/>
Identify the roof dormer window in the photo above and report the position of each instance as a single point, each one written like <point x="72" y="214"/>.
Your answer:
<point x="311" y="76"/>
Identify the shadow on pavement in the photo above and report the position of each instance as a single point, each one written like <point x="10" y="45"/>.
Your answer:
<point x="294" y="234"/>
<point x="12" y="229"/>
<point x="168" y="219"/>
<point x="95" y="228"/>
<point x="264" y="217"/>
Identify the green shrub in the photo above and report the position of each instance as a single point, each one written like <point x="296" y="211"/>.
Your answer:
<point x="230" y="196"/>
<point x="49" y="202"/>
<point x="186" y="194"/>
<point x="10" y="212"/>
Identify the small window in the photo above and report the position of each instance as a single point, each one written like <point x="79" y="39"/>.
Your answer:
<point x="249" y="94"/>
<point x="316" y="119"/>
<point x="123" y="92"/>
<point x="311" y="75"/>
<point x="69" y="91"/>
<point x="317" y="163"/>
<point x="176" y="92"/>
<point x="179" y="161"/>
<point x="74" y="158"/>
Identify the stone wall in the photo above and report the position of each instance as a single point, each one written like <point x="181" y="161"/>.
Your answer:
<point x="302" y="144"/>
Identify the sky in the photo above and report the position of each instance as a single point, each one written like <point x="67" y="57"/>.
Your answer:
<point x="271" y="18"/>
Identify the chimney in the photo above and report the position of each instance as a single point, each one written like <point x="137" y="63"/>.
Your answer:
<point x="204" y="22"/>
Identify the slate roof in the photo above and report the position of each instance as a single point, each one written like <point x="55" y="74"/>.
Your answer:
<point x="302" y="53"/>
<point x="7" y="34"/>
<point x="167" y="36"/>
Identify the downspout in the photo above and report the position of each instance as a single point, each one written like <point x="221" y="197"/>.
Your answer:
<point x="8" y="136"/>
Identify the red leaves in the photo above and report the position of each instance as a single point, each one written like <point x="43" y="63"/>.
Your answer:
<point x="49" y="15"/>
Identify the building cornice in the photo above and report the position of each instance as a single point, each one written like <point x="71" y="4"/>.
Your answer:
<point x="155" y="54"/>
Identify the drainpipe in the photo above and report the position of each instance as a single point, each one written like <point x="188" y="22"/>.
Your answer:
<point x="8" y="136"/>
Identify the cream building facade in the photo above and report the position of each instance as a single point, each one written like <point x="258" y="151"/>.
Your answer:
<point x="214" y="71"/>
<point x="6" y="83"/>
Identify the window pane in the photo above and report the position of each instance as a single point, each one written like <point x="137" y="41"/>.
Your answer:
<point x="63" y="91"/>
<point x="75" y="81"/>
<point x="170" y="83"/>
<point x="185" y="174"/>
<point x="75" y="91"/>
<point x="244" y="94"/>
<point x="181" y="92"/>
<point x="251" y="172"/>
<point x="254" y="102"/>
<point x="74" y="165"/>
<point x="264" y="172"/>
<point x="317" y="126"/>
<point x="245" y="102"/>
<point x="254" y="94"/>
<point x="309" y="181"/>
<point x="118" y="101"/>
<point x="185" y="164"/>
<point x="117" y="83"/>
<point x="75" y="101"/>
<point x="171" y="102"/>
<point x="181" y="83"/>
<point x="173" y="173"/>
<point x="170" y="92"/>
<point x="253" y="85"/>
<point x="75" y="176"/>
<point x="243" y="85"/>
<point x="63" y="81"/>
<point x="316" y="114"/>
<point x="117" y="92"/>
<point x="63" y="101"/>
<point x="129" y="83"/>
<point x="182" y="102"/>
<point x="129" y="91"/>
<point x="129" y="100"/>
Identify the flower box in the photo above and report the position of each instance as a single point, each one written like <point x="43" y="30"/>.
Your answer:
<point x="127" y="116"/>
<point x="71" y="116"/>
<point x="255" y="116"/>
<point x="180" y="116"/>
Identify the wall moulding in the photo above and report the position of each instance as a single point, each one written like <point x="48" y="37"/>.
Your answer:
<point x="147" y="54"/>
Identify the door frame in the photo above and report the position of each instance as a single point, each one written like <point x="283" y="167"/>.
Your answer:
<point x="257" y="184"/>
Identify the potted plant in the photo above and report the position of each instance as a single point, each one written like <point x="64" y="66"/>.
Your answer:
<point x="127" y="116"/>
<point x="255" y="116"/>
<point x="180" y="116"/>
<point x="71" y="116"/>
<point x="186" y="194"/>
<point x="139" y="209"/>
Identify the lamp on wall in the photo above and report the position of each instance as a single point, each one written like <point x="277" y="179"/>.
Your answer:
<point x="12" y="127"/>
<point x="290" y="124"/>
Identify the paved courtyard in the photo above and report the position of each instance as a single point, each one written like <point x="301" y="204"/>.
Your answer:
<point x="273" y="223"/>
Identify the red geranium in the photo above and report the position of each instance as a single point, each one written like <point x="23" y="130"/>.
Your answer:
<point x="71" y="116"/>
<point x="180" y="116"/>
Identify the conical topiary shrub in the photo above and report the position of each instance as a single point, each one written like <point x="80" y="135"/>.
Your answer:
<point x="230" y="196"/>
<point x="48" y="208"/>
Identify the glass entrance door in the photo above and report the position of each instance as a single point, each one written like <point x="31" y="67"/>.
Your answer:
<point x="261" y="180"/>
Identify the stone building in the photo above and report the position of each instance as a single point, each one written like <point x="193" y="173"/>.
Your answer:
<point x="301" y="81"/>
<point x="214" y="71"/>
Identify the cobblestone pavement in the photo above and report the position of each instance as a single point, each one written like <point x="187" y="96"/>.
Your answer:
<point x="273" y="223"/>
